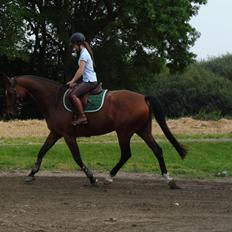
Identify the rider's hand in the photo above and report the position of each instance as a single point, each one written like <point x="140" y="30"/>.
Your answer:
<point x="71" y="84"/>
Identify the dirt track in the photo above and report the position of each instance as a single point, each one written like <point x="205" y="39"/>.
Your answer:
<point x="133" y="203"/>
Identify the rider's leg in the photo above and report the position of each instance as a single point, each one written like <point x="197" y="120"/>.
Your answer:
<point x="82" y="119"/>
<point x="80" y="90"/>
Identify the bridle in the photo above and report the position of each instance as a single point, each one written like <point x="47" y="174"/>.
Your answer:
<point x="19" y="101"/>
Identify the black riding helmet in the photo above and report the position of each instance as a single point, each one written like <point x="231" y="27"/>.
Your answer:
<point x="77" y="38"/>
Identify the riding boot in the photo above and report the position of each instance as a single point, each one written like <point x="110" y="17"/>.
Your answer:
<point x="82" y="119"/>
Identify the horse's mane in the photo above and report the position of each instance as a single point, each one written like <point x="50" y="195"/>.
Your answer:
<point x="40" y="78"/>
<point x="61" y="87"/>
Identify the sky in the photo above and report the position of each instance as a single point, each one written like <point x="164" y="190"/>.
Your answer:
<point x="214" y="22"/>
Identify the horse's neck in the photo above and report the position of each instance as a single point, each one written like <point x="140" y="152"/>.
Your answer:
<point x="41" y="91"/>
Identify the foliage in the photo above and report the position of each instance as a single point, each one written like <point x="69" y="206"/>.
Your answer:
<point x="140" y="28"/>
<point x="12" y="41"/>
<point x="219" y="65"/>
<point x="195" y="91"/>
<point x="204" y="115"/>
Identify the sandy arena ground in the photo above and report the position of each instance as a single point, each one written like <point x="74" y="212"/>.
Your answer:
<point x="133" y="203"/>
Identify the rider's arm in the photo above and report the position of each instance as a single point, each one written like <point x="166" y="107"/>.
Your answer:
<point x="79" y="71"/>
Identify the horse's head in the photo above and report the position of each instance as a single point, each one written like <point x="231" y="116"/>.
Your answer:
<point x="14" y="97"/>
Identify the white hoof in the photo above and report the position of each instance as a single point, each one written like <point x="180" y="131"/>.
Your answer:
<point x="167" y="178"/>
<point x="108" y="180"/>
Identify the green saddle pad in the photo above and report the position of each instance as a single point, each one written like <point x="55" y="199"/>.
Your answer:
<point x="95" y="102"/>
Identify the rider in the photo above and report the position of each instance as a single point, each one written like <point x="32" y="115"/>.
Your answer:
<point x="86" y="69"/>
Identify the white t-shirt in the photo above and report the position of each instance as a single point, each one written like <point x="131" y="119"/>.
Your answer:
<point x="89" y="75"/>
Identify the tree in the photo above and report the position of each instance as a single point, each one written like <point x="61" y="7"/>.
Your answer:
<point x="12" y="40"/>
<point x="151" y="27"/>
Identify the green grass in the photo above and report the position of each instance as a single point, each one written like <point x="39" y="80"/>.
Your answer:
<point x="205" y="159"/>
<point x="111" y="137"/>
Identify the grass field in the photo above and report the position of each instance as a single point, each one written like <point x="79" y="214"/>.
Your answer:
<point x="205" y="158"/>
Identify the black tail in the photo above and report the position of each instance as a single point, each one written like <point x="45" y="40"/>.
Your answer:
<point x="160" y="118"/>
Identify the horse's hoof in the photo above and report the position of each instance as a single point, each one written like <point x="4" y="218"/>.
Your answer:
<point x="94" y="181"/>
<point x="108" y="180"/>
<point x="172" y="185"/>
<point x="29" y="179"/>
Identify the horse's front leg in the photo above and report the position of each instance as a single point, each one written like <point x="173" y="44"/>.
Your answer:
<point x="50" y="141"/>
<point x="124" y="143"/>
<point x="72" y="144"/>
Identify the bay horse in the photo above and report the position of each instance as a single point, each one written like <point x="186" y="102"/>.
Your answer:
<point x="123" y="111"/>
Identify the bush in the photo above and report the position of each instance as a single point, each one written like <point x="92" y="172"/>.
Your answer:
<point x="195" y="92"/>
<point x="219" y="65"/>
<point x="203" y="115"/>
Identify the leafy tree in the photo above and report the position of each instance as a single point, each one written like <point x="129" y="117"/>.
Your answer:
<point x="12" y="40"/>
<point x="151" y="27"/>
<point x="220" y="65"/>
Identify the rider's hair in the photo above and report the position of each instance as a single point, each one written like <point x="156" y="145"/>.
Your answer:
<point x="90" y="50"/>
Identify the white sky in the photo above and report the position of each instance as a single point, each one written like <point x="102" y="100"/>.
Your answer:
<point x="214" y="22"/>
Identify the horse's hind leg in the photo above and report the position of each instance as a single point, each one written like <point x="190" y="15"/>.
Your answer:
<point x="150" y="141"/>
<point x="50" y="141"/>
<point x="124" y="143"/>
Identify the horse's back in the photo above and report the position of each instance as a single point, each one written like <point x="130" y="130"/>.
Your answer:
<point x="128" y="100"/>
<point x="127" y="108"/>
<point x="127" y="97"/>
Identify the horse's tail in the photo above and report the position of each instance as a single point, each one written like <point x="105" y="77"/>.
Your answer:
<point x="160" y="118"/>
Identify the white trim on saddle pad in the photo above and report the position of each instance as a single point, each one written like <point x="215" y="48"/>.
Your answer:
<point x="87" y="111"/>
